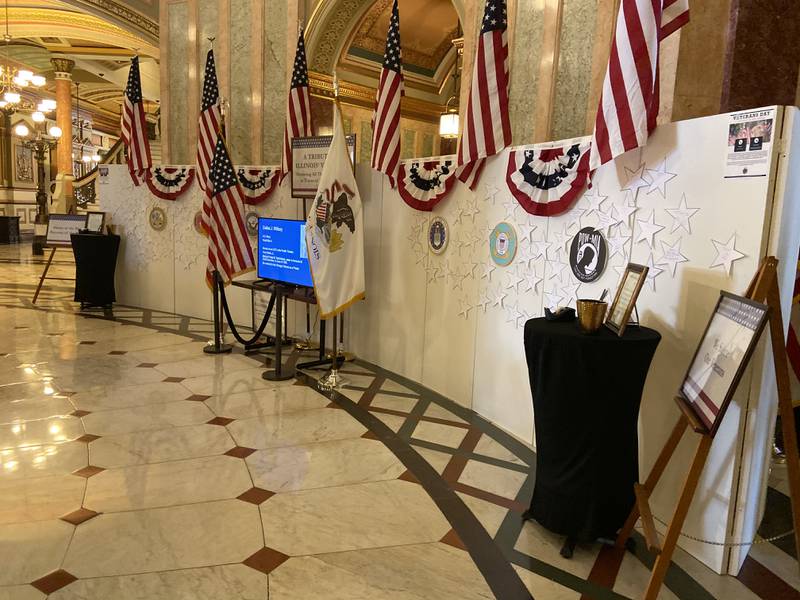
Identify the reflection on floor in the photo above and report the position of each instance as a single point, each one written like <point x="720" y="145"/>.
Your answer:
<point x="134" y="466"/>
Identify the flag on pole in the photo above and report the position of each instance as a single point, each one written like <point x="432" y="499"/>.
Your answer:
<point x="298" y="112"/>
<point x="229" y="250"/>
<point x="488" y="128"/>
<point x="630" y="97"/>
<point x="335" y="231"/>
<point x="208" y="125"/>
<point x="134" y="127"/>
<point x="386" y="121"/>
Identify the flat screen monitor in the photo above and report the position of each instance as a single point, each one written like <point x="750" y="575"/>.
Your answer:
<point x="282" y="254"/>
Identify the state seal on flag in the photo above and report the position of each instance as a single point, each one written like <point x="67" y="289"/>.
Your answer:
<point x="333" y="214"/>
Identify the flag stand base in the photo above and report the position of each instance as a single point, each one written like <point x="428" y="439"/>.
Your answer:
<point x="331" y="380"/>
<point x="217" y="345"/>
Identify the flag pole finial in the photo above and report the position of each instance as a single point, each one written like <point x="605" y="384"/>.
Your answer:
<point x="211" y="41"/>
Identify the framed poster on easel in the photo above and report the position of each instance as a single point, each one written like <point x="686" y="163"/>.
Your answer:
<point x="61" y="227"/>
<point x="59" y="235"/>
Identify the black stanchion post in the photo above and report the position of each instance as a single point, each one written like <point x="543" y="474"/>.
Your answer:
<point x="278" y="373"/>
<point x="218" y="347"/>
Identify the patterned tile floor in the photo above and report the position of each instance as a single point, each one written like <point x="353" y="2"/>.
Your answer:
<point x="133" y="466"/>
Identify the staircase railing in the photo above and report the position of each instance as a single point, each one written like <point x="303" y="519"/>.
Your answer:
<point x="84" y="188"/>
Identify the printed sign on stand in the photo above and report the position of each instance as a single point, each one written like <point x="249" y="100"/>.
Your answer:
<point x="750" y="136"/>
<point x="308" y="158"/>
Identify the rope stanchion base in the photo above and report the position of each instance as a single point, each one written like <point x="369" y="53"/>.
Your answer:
<point x="212" y="348"/>
<point x="274" y="374"/>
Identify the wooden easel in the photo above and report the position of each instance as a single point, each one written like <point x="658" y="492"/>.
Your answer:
<point x="763" y="288"/>
<point x="44" y="273"/>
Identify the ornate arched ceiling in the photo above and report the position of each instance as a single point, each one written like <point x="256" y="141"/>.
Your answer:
<point x="350" y="35"/>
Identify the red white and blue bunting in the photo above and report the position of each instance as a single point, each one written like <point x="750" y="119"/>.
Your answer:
<point x="424" y="182"/>
<point x="168" y="183"/>
<point x="258" y="183"/>
<point x="547" y="179"/>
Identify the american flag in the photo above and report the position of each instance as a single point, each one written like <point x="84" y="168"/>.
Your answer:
<point x="209" y="122"/>
<point x="629" y="101"/>
<point x="134" y="127"/>
<point x="298" y="113"/>
<point x="488" y="128"/>
<point x="229" y="250"/>
<point x="386" y="121"/>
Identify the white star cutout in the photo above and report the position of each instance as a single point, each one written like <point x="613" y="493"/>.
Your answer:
<point x="560" y="239"/>
<point x="484" y="301"/>
<point x="488" y="269"/>
<point x="681" y="216"/>
<point x="514" y="281"/>
<point x="532" y="281"/>
<point x="727" y="254"/>
<point x="576" y="214"/>
<point x="671" y="256"/>
<point x="652" y="273"/>
<point x="616" y="244"/>
<point x="511" y="209"/>
<point x="539" y="249"/>
<point x="659" y="178"/>
<point x="499" y="299"/>
<point x="570" y="292"/>
<point x="593" y="199"/>
<point x="491" y="191"/>
<point x="465" y="308"/>
<point x="624" y="211"/>
<point x="648" y="229"/>
<point x="525" y="231"/>
<point x="552" y="299"/>
<point x="605" y="221"/>
<point x="555" y="270"/>
<point x="635" y="179"/>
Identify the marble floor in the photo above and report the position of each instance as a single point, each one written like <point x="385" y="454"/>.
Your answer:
<point x="133" y="466"/>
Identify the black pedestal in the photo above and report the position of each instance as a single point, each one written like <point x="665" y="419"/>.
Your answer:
<point x="95" y="265"/>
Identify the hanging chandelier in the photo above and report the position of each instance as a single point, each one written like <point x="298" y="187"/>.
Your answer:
<point x="13" y="80"/>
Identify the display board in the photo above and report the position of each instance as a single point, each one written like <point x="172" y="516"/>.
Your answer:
<point x="308" y="158"/>
<point x="61" y="227"/>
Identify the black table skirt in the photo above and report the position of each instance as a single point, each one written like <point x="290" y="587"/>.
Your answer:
<point x="95" y="266"/>
<point x="586" y="395"/>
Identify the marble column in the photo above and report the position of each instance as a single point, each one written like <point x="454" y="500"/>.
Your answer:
<point x="63" y="197"/>
<point x="762" y="55"/>
<point x="63" y="74"/>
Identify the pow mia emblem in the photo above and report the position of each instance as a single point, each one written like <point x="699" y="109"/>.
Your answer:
<point x="587" y="255"/>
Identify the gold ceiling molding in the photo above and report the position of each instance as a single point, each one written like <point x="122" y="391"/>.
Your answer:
<point x="126" y="15"/>
<point x="360" y="95"/>
<point x="25" y="22"/>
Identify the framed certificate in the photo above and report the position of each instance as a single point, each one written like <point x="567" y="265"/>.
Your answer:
<point x="95" y="221"/>
<point x="721" y="358"/>
<point x="628" y="291"/>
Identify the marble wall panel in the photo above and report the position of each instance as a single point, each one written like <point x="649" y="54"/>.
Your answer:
<point x="207" y="19"/>
<point x="524" y="57"/>
<point x="239" y="122"/>
<point x="277" y="39"/>
<point x="574" y="71"/>
<point x="177" y="22"/>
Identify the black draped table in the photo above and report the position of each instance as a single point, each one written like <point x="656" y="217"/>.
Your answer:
<point x="95" y="266"/>
<point x="586" y="395"/>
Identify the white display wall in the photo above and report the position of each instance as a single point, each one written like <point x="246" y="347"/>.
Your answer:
<point x="454" y="321"/>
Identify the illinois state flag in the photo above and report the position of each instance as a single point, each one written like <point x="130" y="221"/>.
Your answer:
<point x="335" y="231"/>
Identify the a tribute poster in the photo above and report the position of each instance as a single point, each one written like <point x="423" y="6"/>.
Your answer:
<point x="750" y="136"/>
<point x="723" y="353"/>
<point x="308" y="158"/>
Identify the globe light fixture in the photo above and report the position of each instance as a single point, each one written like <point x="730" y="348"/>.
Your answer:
<point x="22" y="130"/>
<point x="38" y="117"/>
<point x="55" y="131"/>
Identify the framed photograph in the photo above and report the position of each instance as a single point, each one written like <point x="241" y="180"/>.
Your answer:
<point x="628" y="291"/>
<point x="61" y="227"/>
<point x="721" y="358"/>
<point x="95" y="221"/>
